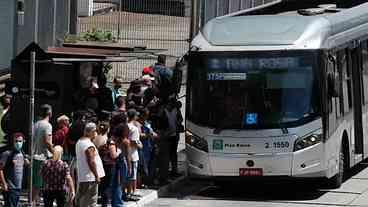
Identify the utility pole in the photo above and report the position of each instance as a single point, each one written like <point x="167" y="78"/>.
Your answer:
<point x="31" y="118"/>
<point x="118" y="38"/>
<point x="36" y="21"/>
<point x="73" y="20"/>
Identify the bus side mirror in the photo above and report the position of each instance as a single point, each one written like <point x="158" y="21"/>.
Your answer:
<point x="180" y="67"/>
<point x="333" y="84"/>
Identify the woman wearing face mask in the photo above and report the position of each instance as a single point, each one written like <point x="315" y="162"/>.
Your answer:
<point x="11" y="171"/>
<point x="56" y="176"/>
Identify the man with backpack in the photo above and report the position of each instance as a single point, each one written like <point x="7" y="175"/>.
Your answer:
<point x="165" y="76"/>
<point x="11" y="171"/>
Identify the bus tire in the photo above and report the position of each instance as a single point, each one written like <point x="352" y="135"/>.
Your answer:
<point x="337" y="180"/>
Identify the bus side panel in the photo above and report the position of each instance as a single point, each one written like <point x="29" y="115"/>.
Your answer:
<point x="332" y="147"/>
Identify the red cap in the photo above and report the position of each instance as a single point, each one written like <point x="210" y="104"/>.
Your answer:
<point x="18" y="134"/>
<point x="147" y="70"/>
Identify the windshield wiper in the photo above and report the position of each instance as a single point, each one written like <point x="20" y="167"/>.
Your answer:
<point x="281" y="125"/>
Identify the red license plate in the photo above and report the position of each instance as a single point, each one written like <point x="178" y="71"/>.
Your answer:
<point x="250" y="172"/>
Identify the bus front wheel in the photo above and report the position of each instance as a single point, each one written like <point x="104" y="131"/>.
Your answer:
<point x="336" y="181"/>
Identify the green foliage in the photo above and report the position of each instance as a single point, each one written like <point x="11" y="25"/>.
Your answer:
<point x="107" y="67"/>
<point x="97" y="35"/>
<point x="91" y="35"/>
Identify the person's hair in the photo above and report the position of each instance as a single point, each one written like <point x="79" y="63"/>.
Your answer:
<point x="117" y="78"/>
<point x="144" y="112"/>
<point x="58" y="151"/>
<point x="121" y="131"/>
<point x="132" y="113"/>
<point x="90" y="127"/>
<point x="18" y="134"/>
<point x="4" y="101"/>
<point x="62" y="118"/>
<point x="161" y="59"/>
<point x="103" y="127"/>
<point x="120" y="101"/>
<point x="118" y="118"/>
<point x="45" y="110"/>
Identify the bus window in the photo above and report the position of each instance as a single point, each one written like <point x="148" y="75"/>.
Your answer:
<point x="342" y="65"/>
<point x="365" y="70"/>
<point x="349" y="80"/>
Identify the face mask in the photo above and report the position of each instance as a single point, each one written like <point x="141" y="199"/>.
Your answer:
<point x="18" y="146"/>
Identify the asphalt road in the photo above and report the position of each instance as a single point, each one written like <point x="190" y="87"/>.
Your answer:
<point x="201" y="193"/>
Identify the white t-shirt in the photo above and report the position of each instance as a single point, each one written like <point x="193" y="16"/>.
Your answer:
<point x="83" y="171"/>
<point x="134" y="137"/>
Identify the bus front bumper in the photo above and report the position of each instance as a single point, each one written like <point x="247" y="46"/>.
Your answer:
<point x="306" y="163"/>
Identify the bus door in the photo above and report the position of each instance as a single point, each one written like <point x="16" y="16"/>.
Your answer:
<point x="356" y="90"/>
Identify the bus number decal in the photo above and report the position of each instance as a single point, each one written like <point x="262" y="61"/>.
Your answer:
<point x="267" y="145"/>
<point x="277" y="145"/>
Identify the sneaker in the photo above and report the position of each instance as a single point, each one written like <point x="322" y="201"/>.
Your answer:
<point x="136" y="195"/>
<point x="164" y="182"/>
<point x="175" y="175"/>
<point x="131" y="198"/>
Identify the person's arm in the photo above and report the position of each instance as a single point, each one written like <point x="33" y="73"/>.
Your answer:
<point x="113" y="152"/>
<point x="70" y="183"/>
<point x="90" y="154"/>
<point x="4" y="185"/>
<point x="127" y="151"/>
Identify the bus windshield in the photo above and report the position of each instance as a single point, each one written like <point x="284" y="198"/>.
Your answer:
<point x="242" y="91"/>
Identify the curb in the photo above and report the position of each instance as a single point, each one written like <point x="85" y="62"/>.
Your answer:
<point x="150" y="195"/>
<point x="165" y="190"/>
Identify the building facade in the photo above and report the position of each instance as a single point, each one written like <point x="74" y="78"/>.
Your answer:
<point x="45" y="22"/>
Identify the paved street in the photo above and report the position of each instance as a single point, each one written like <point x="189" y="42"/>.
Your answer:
<point x="197" y="193"/>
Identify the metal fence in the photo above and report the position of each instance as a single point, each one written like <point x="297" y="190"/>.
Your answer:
<point x="156" y="24"/>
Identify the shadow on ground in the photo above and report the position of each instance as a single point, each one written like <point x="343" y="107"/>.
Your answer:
<point x="256" y="189"/>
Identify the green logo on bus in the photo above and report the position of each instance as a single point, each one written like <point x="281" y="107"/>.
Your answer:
<point x="218" y="144"/>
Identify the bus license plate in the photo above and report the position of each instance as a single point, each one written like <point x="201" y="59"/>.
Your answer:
<point x="250" y="172"/>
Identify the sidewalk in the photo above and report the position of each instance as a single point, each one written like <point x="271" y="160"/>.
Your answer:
<point x="148" y="195"/>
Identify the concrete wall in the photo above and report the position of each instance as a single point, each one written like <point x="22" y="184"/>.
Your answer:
<point x="7" y="30"/>
<point x="85" y="8"/>
<point x="51" y="25"/>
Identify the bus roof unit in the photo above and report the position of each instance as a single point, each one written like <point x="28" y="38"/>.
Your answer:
<point x="293" y="29"/>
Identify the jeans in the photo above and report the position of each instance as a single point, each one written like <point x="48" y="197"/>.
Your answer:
<point x="119" y="177"/>
<point x="164" y="159"/>
<point x="174" y="153"/>
<point x="50" y="196"/>
<point x="105" y="186"/>
<point x="11" y="197"/>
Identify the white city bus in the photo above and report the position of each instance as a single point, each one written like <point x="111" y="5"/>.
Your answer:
<point x="279" y="91"/>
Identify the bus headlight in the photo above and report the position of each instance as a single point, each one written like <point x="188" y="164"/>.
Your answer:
<point x="196" y="141"/>
<point x="307" y="141"/>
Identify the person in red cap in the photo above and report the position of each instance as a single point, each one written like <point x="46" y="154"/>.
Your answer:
<point x="147" y="70"/>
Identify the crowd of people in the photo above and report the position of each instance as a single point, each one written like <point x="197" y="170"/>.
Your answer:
<point x="101" y="151"/>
